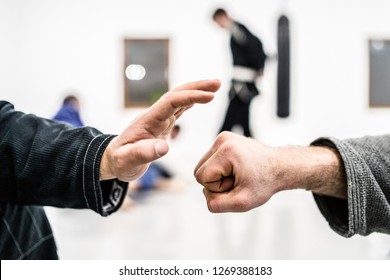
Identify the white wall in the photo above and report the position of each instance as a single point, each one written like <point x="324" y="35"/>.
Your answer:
<point x="50" y="46"/>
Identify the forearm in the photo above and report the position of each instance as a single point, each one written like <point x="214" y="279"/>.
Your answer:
<point x="316" y="169"/>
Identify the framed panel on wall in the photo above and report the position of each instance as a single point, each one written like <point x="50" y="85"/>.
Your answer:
<point x="145" y="71"/>
<point x="379" y="73"/>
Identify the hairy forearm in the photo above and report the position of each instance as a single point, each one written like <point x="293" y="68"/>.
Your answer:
<point x="317" y="169"/>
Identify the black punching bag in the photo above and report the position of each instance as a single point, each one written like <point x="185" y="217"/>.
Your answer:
<point x="283" y="74"/>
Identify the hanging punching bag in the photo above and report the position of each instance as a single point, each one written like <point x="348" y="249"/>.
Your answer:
<point x="283" y="69"/>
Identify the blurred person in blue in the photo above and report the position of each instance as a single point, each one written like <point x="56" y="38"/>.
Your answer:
<point x="69" y="112"/>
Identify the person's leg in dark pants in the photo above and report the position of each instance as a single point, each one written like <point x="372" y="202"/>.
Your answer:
<point x="244" y="119"/>
<point x="231" y="117"/>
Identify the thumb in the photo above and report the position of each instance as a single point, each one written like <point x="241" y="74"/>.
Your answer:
<point x="146" y="151"/>
<point x="142" y="152"/>
<point x="161" y="148"/>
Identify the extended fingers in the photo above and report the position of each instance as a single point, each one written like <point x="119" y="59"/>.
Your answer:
<point x="185" y="96"/>
<point x="206" y="85"/>
<point x="172" y="105"/>
<point x="158" y="119"/>
<point x="177" y="102"/>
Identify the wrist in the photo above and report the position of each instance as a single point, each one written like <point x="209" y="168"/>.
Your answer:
<point x="105" y="170"/>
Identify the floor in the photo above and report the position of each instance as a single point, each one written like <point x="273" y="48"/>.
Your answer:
<point x="176" y="225"/>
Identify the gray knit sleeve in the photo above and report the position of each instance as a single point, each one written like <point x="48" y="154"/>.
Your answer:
<point x="367" y="166"/>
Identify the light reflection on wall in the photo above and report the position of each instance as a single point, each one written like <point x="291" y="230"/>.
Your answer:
<point x="135" y="72"/>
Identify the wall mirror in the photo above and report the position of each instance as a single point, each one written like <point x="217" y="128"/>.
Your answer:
<point x="145" y="71"/>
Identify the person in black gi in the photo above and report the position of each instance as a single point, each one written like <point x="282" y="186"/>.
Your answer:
<point x="248" y="64"/>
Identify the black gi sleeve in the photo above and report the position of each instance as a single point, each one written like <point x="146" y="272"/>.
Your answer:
<point x="46" y="163"/>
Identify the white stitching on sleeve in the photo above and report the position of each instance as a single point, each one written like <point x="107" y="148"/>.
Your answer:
<point x="84" y="163"/>
<point x="94" y="162"/>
